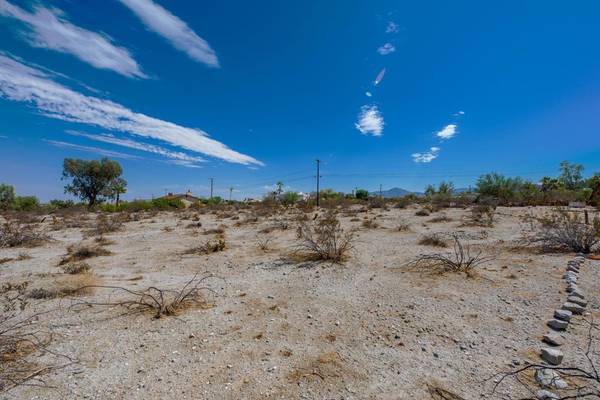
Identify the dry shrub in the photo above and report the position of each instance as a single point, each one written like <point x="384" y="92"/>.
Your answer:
<point x="437" y="392"/>
<point x="565" y="231"/>
<point x="161" y="302"/>
<point x="460" y="260"/>
<point x="278" y="224"/>
<point x="106" y="224"/>
<point x="76" y="268"/>
<point x="403" y="226"/>
<point x="13" y="234"/>
<point x="433" y="239"/>
<point x="422" y="212"/>
<point x="482" y="214"/>
<point x="440" y="218"/>
<point x="264" y="244"/>
<point x="66" y="285"/>
<point x="370" y="223"/>
<point x="220" y="230"/>
<point x="82" y="251"/>
<point x="213" y="245"/>
<point x="324" y="240"/>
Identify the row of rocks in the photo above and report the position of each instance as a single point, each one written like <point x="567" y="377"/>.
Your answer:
<point x="574" y="305"/>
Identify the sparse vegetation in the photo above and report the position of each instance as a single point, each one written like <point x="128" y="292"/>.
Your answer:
<point x="213" y="245"/>
<point x="83" y="251"/>
<point x="482" y="214"/>
<point x="461" y="260"/>
<point x="13" y="234"/>
<point x="564" y="230"/>
<point x="324" y="240"/>
<point x="433" y="239"/>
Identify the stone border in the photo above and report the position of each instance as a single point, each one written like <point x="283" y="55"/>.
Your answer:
<point x="574" y="305"/>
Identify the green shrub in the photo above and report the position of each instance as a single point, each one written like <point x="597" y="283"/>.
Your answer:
<point x="290" y="198"/>
<point x="361" y="194"/>
<point x="26" y="203"/>
<point x="7" y="196"/>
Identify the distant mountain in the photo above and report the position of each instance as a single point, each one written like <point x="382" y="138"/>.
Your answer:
<point x="395" y="192"/>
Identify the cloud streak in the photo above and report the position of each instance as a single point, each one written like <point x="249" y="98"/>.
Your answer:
<point x="90" y="149"/>
<point x="448" y="132"/>
<point x="49" y="29"/>
<point x="173" y="29"/>
<point x="175" y="157"/>
<point x="426" y="157"/>
<point x="370" y="121"/>
<point x="20" y="82"/>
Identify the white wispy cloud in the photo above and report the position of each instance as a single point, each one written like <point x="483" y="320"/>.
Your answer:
<point x="370" y="121"/>
<point x="448" y="132"/>
<point x="20" y="82"/>
<point x="158" y="19"/>
<point x="391" y="27"/>
<point x="426" y="157"/>
<point x="175" y="157"/>
<point x="386" y="49"/>
<point x="49" y="29"/>
<point x="90" y="149"/>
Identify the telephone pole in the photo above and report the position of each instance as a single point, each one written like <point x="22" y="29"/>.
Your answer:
<point x="318" y="178"/>
<point x="380" y="194"/>
<point x="211" y="187"/>
<point x="230" y="192"/>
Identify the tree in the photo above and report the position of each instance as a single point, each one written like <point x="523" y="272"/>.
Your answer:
<point x="90" y="180"/>
<point x="571" y="175"/>
<point x="361" y="194"/>
<point x="429" y="190"/>
<point x="279" y="189"/>
<point x="446" y="188"/>
<point x="7" y="196"/>
<point x="498" y="186"/>
<point x="115" y="189"/>
<point x="594" y="184"/>
<point x="550" y="184"/>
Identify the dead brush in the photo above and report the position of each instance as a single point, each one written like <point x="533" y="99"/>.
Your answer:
<point x="264" y="244"/>
<point x="370" y="223"/>
<point x="433" y="240"/>
<point x="13" y="234"/>
<point x="83" y="251"/>
<point x="65" y="285"/>
<point x="482" y="215"/>
<point x="220" y="230"/>
<point x="160" y="302"/>
<point x="77" y="268"/>
<point x="324" y="240"/>
<point x="422" y="213"/>
<point x="440" y="218"/>
<point x="403" y="226"/>
<point x="20" y="337"/>
<point x="213" y="245"/>
<point x="461" y="260"/>
<point x="565" y="231"/>
<point x="105" y="224"/>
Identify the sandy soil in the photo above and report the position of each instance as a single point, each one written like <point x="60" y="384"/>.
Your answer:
<point x="370" y="328"/>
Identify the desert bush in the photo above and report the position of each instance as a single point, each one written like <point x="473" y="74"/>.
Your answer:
<point x="13" y="234"/>
<point x="483" y="214"/>
<point x="563" y="230"/>
<point x="440" y="218"/>
<point x="369" y="223"/>
<point x="263" y="244"/>
<point x="213" y="245"/>
<point x="461" y="260"/>
<point x="422" y="212"/>
<point x="76" y="268"/>
<point x="82" y="252"/>
<point x="403" y="226"/>
<point x="434" y="240"/>
<point x="290" y="198"/>
<point x="105" y="224"/>
<point x="361" y="194"/>
<point x="324" y="240"/>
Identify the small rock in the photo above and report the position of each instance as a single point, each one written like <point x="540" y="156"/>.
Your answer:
<point x="552" y="356"/>
<point x="577" y="293"/>
<point x="577" y="300"/>
<point x="557" y="324"/>
<point x="272" y="369"/>
<point x="574" y="308"/>
<point x="553" y="338"/>
<point x="548" y="378"/>
<point x="545" y="395"/>
<point x="563" y="314"/>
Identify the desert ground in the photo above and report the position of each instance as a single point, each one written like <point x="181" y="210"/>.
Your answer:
<point x="269" y="323"/>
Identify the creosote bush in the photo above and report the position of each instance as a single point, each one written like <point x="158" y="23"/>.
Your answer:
<point x="13" y="234"/>
<point x="82" y="252"/>
<point x="482" y="214"/>
<point x="433" y="239"/>
<point x="213" y="245"/>
<point x="324" y="240"/>
<point x="461" y="260"/>
<point x="564" y="230"/>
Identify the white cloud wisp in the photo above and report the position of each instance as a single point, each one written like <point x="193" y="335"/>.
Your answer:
<point x="370" y="121"/>
<point x="426" y="157"/>
<point x="20" y="82"/>
<point x="448" y="132"/>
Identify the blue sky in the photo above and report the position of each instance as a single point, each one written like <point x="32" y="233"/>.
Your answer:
<point x="251" y="93"/>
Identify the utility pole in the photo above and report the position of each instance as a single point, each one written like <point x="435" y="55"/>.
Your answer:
<point x="380" y="194"/>
<point x="211" y="187"/>
<point x="318" y="178"/>
<point x="230" y="192"/>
